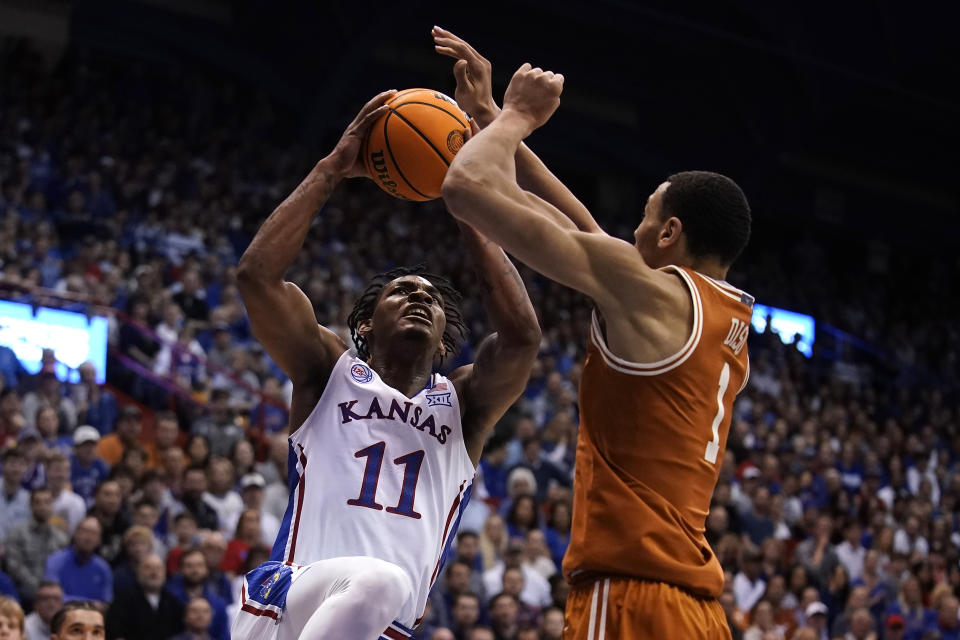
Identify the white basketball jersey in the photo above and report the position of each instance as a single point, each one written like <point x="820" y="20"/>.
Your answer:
<point x="375" y="473"/>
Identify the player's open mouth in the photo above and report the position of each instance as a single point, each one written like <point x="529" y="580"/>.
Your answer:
<point x="418" y="313"/>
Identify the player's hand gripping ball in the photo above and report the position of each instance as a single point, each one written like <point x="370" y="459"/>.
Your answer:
<point x="408" y="150"/>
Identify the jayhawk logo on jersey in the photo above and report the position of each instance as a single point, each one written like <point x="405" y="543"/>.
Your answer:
<point x="267" y="584"/>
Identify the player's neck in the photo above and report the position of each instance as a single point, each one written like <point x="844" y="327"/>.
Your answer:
<point x="405" y="372"/>
<point x="709" y="268"/>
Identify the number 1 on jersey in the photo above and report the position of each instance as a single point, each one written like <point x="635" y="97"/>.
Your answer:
<point x="713" y="447"/>
<point x="371" y="478"/>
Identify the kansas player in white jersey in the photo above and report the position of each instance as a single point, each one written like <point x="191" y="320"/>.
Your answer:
<point x="382" y="450"/>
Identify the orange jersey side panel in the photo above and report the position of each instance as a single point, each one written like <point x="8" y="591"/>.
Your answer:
<point x="651" y="441"/>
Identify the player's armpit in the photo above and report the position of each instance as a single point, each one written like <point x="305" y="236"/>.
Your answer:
<point x="282" y="319"/>
<point x="489" y="386"/>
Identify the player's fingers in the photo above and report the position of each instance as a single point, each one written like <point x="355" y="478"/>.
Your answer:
<point x="460" y="72"/>
<point x="526" y="66"/>
<point x="462" y="49"/>
<point x="372" y="117"/>
<point x="466" y="45"/>
<point x="375" y="102"/>
<point x="447" y="51"/>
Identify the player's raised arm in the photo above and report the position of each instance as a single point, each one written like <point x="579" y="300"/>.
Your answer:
<point x="280" y="314"/>
<point x="502" y="366"/>
<point x="480" y="189"/>
<point x="475" y="95"/>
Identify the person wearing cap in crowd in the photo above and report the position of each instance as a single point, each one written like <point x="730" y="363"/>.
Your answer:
<point x="14" y="499"/>
<point x="894" y="627"/>
<point x="816" y="615"/>
<point x="29" y="544"/>
<point x="748" y="584"/>
<point x="87" y="469"/>
<point x="252" y="493"/>
<point x="127" y="432"/>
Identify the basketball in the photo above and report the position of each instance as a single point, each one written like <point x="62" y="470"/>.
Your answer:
<point x="408" y="150"/>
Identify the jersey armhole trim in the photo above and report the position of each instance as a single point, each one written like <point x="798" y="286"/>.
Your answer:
<point x="746" y="377"/>
<point x="662" y="366"/>
<point x="293" y="437"/>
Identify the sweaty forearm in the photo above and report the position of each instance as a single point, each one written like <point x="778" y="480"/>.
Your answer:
<point x="280" y="237"/>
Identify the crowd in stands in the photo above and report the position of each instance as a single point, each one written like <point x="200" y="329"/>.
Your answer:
<point x="837" y="512"/>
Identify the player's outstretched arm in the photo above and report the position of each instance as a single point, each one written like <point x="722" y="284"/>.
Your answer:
<point x="480" y="189"/>
<point x="475" y="94"/>
<point x="500" y="371"/>
<point x="281" y="315"/>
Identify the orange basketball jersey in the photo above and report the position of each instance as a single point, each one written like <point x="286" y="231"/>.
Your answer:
<point x="651" y="441"/>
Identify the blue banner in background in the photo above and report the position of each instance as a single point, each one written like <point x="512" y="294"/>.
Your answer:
<point x="786" y="324"/>
<point x="74" y="338"/>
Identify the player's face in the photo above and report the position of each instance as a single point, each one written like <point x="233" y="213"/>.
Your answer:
<point x="647" y="233"/>
<point x="411" y="305"/>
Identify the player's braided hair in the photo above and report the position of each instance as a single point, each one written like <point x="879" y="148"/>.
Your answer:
<point x="453" y="334"/>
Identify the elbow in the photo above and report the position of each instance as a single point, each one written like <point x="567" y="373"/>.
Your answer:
<point x="250" y="276"/>
<point x="528" y="338"/>
<point x="460" y="185"/>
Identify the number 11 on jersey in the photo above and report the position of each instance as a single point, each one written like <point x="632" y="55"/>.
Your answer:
<point x="371" y="478"/>
<point x="713" y="447"/>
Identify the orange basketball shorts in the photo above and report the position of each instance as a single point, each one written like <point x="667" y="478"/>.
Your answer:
<point x="626" y="609"/>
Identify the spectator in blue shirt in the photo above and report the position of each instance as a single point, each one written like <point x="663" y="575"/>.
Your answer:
<point x="10" y="367"/>
<point x="946" y="623"/>
<point x="82" y="574"/>
<point x="191" y="582"/>
<point x="494" y="468"/>
<point x="87" y="470"/>
<point x="7" y="588"/>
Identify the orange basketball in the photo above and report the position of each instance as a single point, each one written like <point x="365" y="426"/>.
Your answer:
<point x="409" y="149"/>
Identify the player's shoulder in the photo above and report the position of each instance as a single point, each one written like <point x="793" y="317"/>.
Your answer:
<point x="720" y="289"/>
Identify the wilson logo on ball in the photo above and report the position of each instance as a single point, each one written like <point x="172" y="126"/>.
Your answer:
<point x="379" y="165"/>
<point x="454" y="141"/>
<point x="410" y="147"/>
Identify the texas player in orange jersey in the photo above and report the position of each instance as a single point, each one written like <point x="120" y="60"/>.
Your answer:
<point x="666" y="357"/>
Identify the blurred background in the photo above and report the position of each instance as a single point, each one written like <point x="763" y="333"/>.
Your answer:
<point x="143" y="142"/>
